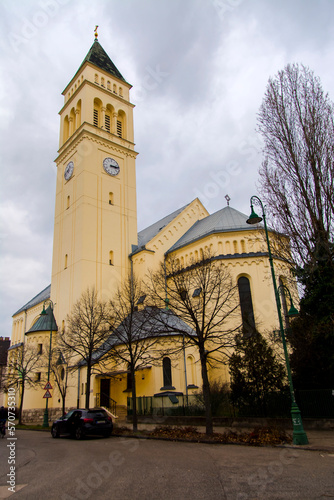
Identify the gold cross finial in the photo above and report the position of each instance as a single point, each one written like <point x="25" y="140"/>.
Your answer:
<point x="95" y="31"/>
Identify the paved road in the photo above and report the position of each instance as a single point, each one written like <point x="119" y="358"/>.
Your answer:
<point x="122" y="469"/>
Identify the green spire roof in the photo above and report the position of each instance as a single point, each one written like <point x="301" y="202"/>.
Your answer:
<point x="44" y="322"/>
<point x="98" y="56"/>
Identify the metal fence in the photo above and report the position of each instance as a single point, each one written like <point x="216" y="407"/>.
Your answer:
<point x="312" y="404"/>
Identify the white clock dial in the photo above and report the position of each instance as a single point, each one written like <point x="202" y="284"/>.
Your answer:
<point x="69" y="170"/>
<point x="111" y="166"/>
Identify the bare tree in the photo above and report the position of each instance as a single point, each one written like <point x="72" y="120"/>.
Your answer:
<point x="59" y="366"/>
<point x="135" y="339"/>
<point x="296" y="121"/>
<point x="204" y="297"/>
<point x="87" y="328"/>
<point x="24" y="364"/>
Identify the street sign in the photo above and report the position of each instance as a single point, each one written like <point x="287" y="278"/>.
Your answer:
<point x="48" y="386"/>
<point x="47" y="394"/>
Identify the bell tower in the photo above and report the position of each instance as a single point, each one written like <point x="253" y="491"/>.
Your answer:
<point x="95" y="214"/>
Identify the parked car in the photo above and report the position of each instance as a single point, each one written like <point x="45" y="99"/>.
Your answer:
<point x="79" y="423"/>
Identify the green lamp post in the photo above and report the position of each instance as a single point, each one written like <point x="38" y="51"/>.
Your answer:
<point x="43" y="313"/>
<point x="299" y="436"/>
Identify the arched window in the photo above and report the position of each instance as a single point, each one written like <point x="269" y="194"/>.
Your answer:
<point x="190" y="371"/>
<point x="114" y="89"/>
<point x="68" y="202"/>
<point x="96" y="78"/>
<point x="111" y="198"/>
<point x="108" y="85"/>
<point x="120" y="91"/>
<point x="102" y="82"/>
<point x="66" y="258"/>
<point x="246" y="305"/>
<point x="167" y="372"/>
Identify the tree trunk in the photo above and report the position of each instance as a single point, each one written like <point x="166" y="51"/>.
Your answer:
<point x="134" y="402"/>
<point x="21" y="403"/>
<point x="63" y="398"/>
<point x="206" y="394"/>
<point x="89" y="369"/>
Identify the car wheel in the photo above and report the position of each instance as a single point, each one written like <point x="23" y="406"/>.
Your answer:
<point x="55" y="432"/>
<point x="79" y="433"/>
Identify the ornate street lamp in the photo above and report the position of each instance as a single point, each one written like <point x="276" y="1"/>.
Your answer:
<point x="43" y="313"/>
<point x="299" y="436"/>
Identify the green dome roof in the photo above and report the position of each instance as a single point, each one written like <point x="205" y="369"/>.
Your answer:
<point x="45" y="322"/>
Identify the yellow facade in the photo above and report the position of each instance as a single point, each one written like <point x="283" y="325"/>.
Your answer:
<point x="96" y="242"/>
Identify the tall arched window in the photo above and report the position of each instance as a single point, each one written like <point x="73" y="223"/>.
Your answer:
<point x="167" y="372"/>
<point x="246" y="305"/>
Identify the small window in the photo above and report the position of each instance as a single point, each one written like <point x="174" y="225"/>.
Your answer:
<point x="66" y="258"/>
<point x="120" y="91"/>
<point x="38" y="377"/>
<point x="111" y="258"/>
<point x="114" y="89"/>
<point x="62" y="373"/>
<point x="40" y="348"/>
<point x="102" y="82"/>
<point x="108" y="85"/>
<point x="111" y="198"/>
<point x="119" y="128"/>
<point x="141" y="300"/>
<point x="96" y="80"/>
<point x="68" y="202"/>
<point x="183" y="294"/>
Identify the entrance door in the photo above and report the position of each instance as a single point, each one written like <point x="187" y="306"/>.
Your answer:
<point x="105" y="392"/>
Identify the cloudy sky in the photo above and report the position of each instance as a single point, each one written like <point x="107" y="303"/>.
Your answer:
<point x="199" y="69"/>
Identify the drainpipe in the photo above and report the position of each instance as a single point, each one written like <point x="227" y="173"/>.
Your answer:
<point x="185" y="368"/>
<point x="166" y="298"/>
<point x="78" y="399"/>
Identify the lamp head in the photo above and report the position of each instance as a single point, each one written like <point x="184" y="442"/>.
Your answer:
<point x="293" y="312"/>
<point x="253" y="218"/>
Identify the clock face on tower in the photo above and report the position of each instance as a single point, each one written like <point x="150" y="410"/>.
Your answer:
<point x="111" y="166"/>
<point x="69" y="170"/>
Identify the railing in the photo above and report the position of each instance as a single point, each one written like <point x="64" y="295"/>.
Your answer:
<point x="313" y="404"/>
<point x="104" y="400"/>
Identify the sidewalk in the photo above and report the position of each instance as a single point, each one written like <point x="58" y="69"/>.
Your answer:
<point x="319" y="439"/>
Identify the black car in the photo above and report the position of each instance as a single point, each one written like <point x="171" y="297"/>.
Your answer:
<point x="79" y="423"/>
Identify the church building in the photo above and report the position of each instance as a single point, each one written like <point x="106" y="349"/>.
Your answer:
<point x="96" y="241"/>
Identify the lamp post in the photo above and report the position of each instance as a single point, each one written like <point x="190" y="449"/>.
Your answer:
<point x="299" y="436"/>
<point x="46" y="412"/>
